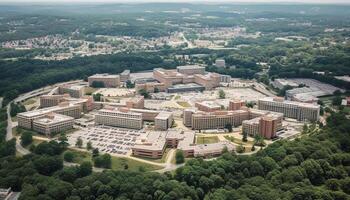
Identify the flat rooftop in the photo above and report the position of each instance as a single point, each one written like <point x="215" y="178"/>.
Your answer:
<point x="190" y="67"/>
<point x="309" y="105"/>
<point x="45" y="110"/>
<point x="104" y="76"/>
<point x="53" y="118"/>
<point x="164" y="115"/>
<point x="188" y="85"/>
<point x="209" y="104"/>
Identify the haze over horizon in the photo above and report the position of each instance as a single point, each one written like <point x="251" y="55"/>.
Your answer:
<point x="180" y="1"/>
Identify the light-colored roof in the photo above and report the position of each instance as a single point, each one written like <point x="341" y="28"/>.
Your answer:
<point x="190" y="67"/>
<point x="52" y="118"/>
<point x="104" y="76"/>
<point x="164" y="115"/>
<point x="296" y="103"/>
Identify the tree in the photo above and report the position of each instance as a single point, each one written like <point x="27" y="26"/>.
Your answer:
<point x="63" y="140"/>
<point x="240" y="149"/>
<point x="179" y="157"/>
<point x="95" y="152"/>
<point x="129" y="84"/>
<point x="85" y="169"/>
<point x="245" y="137"/>
<point x="229" y="127"/>
<point x="144" y="93"/>
<point x="336" y="101"/>
<point x="250" y="104"/>
<point x="89" y="145"/>
<point x="97" y="97"/>
<point x="68" y="156"/>
<point x="259" y="140"/>
<point x="222" y="94"/>
<point x="79" y="142"/>
<point x="26" y="138"/>
<point x="103" y="161"/>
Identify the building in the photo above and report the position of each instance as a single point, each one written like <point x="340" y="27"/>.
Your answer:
<point x="225" y="78"/>
<point x="265" y="125"/>
<point x="108" y="80"/>
<point x="213" y="149"/>
<point x="290" y="109"/>
<point x="281" y="83"/>
<point x="191" y="69"/>
<point x="5" y="193"/>
<point x="187" y="116"/>
<point x="75" y="91"/>
<point x="171" y="78"/>
<point x="119" y="117"/>
<point x="137" y="102"/>
<point x="150" y="87"/>
<point x="25" y="119"/>
<point x="51" y="100"/>
<point x="220" y="63"/>
<point x="236" y="104"/>
<point x="189" y="87"/>
<point x="207" y="106"/>
<point x="212" y="120"/>
<point x="209" y="81"/>
<point x="163" y="121"/>
<point x="125" y="75"/>
<point x="53" y="123"/>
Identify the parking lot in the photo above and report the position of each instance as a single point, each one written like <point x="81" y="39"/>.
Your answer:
<point x="117" y="141"/>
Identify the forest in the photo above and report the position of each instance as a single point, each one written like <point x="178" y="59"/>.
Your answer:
<point x="314" y="166"/>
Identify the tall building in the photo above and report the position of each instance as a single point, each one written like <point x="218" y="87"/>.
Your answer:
<point x="121" y="117"/>
<point x="75" y="91"/>
<point x="53" y="123"/>
<point x="291" y="109"/>
<point x="108" y="80"/>
<point x="265" y="125"/>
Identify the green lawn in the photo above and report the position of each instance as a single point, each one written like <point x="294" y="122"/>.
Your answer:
<point x="206" y="139"/>
<point x="117" y="163"/>
<point x="183" y="104"/>
<point x="238" y="141"/>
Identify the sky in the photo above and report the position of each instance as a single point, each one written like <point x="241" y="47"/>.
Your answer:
<point x="192" y="1"/>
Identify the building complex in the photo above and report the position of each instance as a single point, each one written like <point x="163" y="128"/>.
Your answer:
<point x="107" y="80"/>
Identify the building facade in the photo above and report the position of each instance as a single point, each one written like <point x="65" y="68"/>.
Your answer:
<point x="119" y="118"/>
<point x="53" y="123"/>
<point x="75" y="91"/>
<point x="108" y="80"/>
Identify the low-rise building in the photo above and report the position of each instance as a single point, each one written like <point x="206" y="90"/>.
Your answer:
<point x="75" y="91"/>
<point x="163" y="121"/>
<point x="53" y="123"/>
<point x="108" y="80"/>
<point x="191" y="69"/>
<point x="225" y="78"/>
<point x="51" y="100"/>
<point x="125" y="75"/>
<point x="25" y="119"/>
<point x="290" y="109"/>
<point x="150" y="87"/>
<point x="236" y="104"/>
<point x="136" y="102"/>
<point x="220" y="63"/>
<point x="213" y="149"/>
<point x="119" y="117"/>
<point x="207" y="106"/>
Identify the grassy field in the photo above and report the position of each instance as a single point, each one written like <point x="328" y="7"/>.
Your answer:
<point x="117" y="163"/>
<point x="183" y="104"/>
<point x="206" y="139"/>
<point x="238" y="141"/>
<point x="29" y="101"/>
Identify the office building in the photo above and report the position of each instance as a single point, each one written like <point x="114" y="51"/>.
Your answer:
<point x="136" y="102"/>
<point x="212" y="120"/>
<point x="209" y="81"/>
<point x="191" y="69"/>
<point x="265" y="125"/>
<point x="150" y="87"/>
<point x="220" y="63"/>
<point x="163" y="121"/>
<point x="51" y="100"/>
<point x="75" y="91"/>
<point x="188" y="87"/>
<point x="207" y="106"/>
<point x="53" y="123"/>
<point x="119" y="117"/>
<point x="225" y="78"/>
<point x="107" y="80"/>
<point x="213" y="149"/>
<point x="236" y="104"/>
<point x="25" y="119"/>
<point x="125" y="75"/>
<point x="290" y="109"/>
